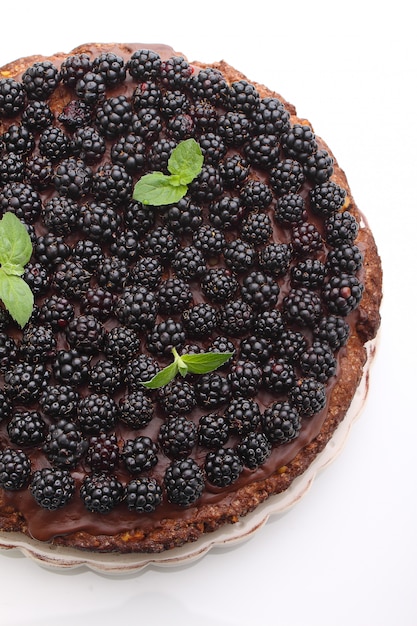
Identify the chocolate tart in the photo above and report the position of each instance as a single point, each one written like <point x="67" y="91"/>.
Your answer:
<point x="175" y="523"/>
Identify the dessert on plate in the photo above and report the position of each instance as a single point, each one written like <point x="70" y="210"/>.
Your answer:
<point x="188" y="296"/>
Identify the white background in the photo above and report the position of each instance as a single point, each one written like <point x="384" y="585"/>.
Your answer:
<point x="347" y="553"/>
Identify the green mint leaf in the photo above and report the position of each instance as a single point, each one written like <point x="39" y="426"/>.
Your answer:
<point x="163" y="377"/>
<point x="17" y="297"/>
<point x="205" y="362"/>
<point x="157" y="189"/>
<point x="186" y="161"/>
<point x="15" y="243"/>
<point x="13" y="268"/>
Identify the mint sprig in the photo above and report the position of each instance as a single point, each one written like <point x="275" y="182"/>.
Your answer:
<point x="184" y="164"/>
<point x="202" y="363"/>
<point x="15" y="252"/>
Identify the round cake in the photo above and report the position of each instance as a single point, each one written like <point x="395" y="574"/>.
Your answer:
<point x="188" y="293"/>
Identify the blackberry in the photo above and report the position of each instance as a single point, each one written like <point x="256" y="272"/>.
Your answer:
<point x="37" y="277"/>
<point x="12" y="169"/>
<point x="144" y="64"/>
<point x="318" y="361"/>
<point x="270" y="117"/>
<point x="38" y="172"/>
<point x="290" y="209"/>
<point x="212" y="390"/>
<point x="8" y="351"/>
<point x="70" y="367"/>
<point x="256" y="195"/>
<point x="204" y="114"/>
<point x="309" y="273"/>
<point x="268" y="324"/>
<point x="209" y="84"/>
<point x="234" y="128"/>
<point x="165" y="336"/>
<point x="254" y="449"/>
<point x="223" y="467"/>
<point x="40" y="80"/>
<point x="290" y="345"/>
<point x="129" y="152"/>
<point x="71" y="279"/>
<point x="111" y="67"/>
<point x="219" y="285"/>
<point x="113" y="273"/>
<point x="173" y="296"/>
<point x="91" y="88"/>
<point x="136" y="409"/>
<point x="96" y="413"/>
<point x="56" y="311"/>
<point x="141" y="368"/>
<point x="105" y="376"/>
<point x="306" y="239"/>
<point x="234" y="171"/>
<point x="177" y="397"/>
<point x="260" y="290"/>
<point x="64" y="444"/>
<point x="143" y="495"/>
<point x="161" y="243"/>
<point x="60" y="215"/>
<point x="18" y="139"/>
<point x="136" y="307"/>
<point x="172" y="102"/>
<point x="213" y="431"/>
<point x="208" y="185"/>
<point x="199" y="320"/>
<point x="99" y="221"/>
<point x="147" y="95"/>
<point x="212" y="147"/>
<point x="75" y="114"/>
<point x="286" y="177"/>
<point x="180" y="126"/>
<point x="175" y="71"/>
<point x="147" y="124"/>
<point x="14" y="469"/>
<point x="74" y="67"/>
<point x="327" y="198"/>
<point x="97" y="302"/>
<point x="278" y="375"/>
<point x="147" y="271"/>
<point x="221" y="344"/>
<point x="345" y="259"/>
<point x="139" y="454"/>
<point x="177" y="437"/>
<point x="138" y="217"/>
<point x="59" y="401"/>
<point x="308" y="396"/>
<point x="12" y="97"/>
<point x="184" y="217"/>
<point x="342" y="294"/>
<point x="26" y="428"/>
<point x="113" y="116"/>
<point x="101" y="492"/>
<point x="24" y="382"/>
<point x="159" y="154"/>
<point x="341" y="228"/>
<point x="239" y="255"/>
<point x="184" y="482"/>
<point x="318" y="167"/>
<point x="236" y="318"/>
<point x="262" y="151"/>
<point x="256" y="228"/>
<point x="243" y="415"/>
<point x="125" y="246"/>
<point x="333" y="330"/>
<point x="4" y="406"/>
<point x="38" y="343"/>
<point x="54" y="144"/>
<point x="88" y="144"/>
<point x="121" y="344"/>
<point x="256" y="349"/>
<point x="299" y="142"/>
<point x="275" y="258"/>
<point x="188" y="263"/>
<point x="103" y="452"/>
<point x="112" y="183"/>
<point x="52" y="488"/>
<point x="209" y="240"/>
<point x="302" y="306"/>
<point x="245" y="378"/>
<point x="281" y="422"/>
<point x="243" y="96"/>
<point x="22" y="200"/>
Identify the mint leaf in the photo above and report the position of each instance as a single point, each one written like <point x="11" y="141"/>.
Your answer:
<point x="17" y="297"/>
<point x="15" y="243"/>
<point x="158" y="189"/>
<point x="163" y="377"/>
<point x="186" y="161"/>
<point x="205" y="362"/>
